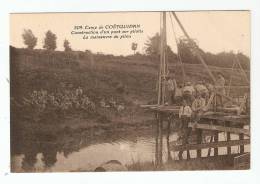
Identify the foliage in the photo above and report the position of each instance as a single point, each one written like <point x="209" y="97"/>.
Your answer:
<point x="223" y="59"/>
<point x="152" y="49"/>
<point x="134" y="47"/>
<point x="66" y="45"/>
<point x="29" y="39"/>
<point x="50" y="41"/>
<point x="152" y="46"/>
<point x="186" y="49"/>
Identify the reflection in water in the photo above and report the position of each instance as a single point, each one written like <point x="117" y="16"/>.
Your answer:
<point x="49" y="155"/>
<point x="127" y="151"/>
<point x="81" y="153"/>
<point x="29" y="161"/>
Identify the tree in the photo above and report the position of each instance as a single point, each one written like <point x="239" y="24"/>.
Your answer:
<point x="186" y="51"/>
<point x="152" y="49"/>
<point x="153" y="46"/>
<point x="66" y="45"/>
<point x="29" y="39"/>
<point x="134" y="47"/>
<point x="50" y="41"/>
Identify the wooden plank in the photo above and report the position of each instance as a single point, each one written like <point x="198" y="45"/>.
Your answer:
<point x="216" y="141"/>
<point x="241" y="137"/>
<point x="241" y="119"/>
<point x="208" y="145"/>
<point x="228" y="139"/>
<point x="199" y="141"/>
<point x="220" y="128"/>
<point x="242" y="161"/>
<point x="197" y="53"/>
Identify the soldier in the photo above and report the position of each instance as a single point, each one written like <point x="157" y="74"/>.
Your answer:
<point x="220" y="89"/>
<point x="185" y="113"/>
<point x="198" y="107"/>
<point x="171" y="89"/>
<point x="188" y="93"/>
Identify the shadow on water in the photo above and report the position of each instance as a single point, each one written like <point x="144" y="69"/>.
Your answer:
<point x="35" y="150"/>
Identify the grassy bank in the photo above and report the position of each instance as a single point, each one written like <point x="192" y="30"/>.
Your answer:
<point x="223" y="162"/>
<point x="129" y="81"/>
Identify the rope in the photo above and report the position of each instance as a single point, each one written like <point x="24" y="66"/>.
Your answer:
<point x="178" y="51"/>
<point x="241" y="69"/>
<point x="230" y="81"/>
<point x="160" y="68"/>
<point x="197" y="52"/>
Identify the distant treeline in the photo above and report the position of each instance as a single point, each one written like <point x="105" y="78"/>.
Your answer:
<point x="223" y="59"/>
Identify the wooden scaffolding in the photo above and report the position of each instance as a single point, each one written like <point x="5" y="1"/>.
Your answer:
<point x="213" y="122"/>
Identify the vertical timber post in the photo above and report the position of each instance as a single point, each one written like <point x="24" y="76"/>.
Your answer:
<point x="228" y="139"/>
<point x="168" y="139"/>
<point x="216" y="140"/>
<point x="156" y="138"/>
<point x="199" y="141"/>
<point x="159" y="153"/>
<point x="241" y="137"/>
<point x="161" y="88"/>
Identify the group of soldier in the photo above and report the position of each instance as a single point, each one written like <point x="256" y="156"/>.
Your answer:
<point x="66" y="100"/>
<point x="193" y="99"/>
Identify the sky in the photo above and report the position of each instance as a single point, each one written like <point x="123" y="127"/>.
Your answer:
<point x="214" y="31"/>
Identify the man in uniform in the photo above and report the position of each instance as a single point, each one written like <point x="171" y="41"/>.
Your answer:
<point x="220" y="89"/>
<point x="188" y="92"/>
<point x="198" y="107"/>
<point x="171" y="89"/>
<point x="202" y="89"/>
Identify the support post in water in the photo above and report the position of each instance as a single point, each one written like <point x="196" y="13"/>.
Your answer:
<point x="241" y="137"/>
<point x="228" y="139"/>
<point x="168" y="139"/>
<point x="216" y="140"/>
<point x="199" y="141"/>
<point x="160" y="138"/>
<point x="156" y="138"/>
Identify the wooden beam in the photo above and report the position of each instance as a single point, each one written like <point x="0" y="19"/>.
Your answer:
<point x="199" y="141"/>
<point x="220" y="128"/>
<point x="228" y="139"/>
<point x="216" y="141"/>
<point x="208" y="145"/>
<point x="197" y="52"/>
<point x="242" y="161"/>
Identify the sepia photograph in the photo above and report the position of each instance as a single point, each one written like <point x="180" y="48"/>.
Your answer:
<point x="130" y="91"/>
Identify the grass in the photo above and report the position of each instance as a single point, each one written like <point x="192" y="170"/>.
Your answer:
<point x="223" y="162"/>
<point x="141" y="166"/>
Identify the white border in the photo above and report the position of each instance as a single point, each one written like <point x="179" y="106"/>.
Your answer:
<point x="212" y="177"/>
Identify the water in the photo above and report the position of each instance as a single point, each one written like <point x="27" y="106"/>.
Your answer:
<point x="46" y="157"/>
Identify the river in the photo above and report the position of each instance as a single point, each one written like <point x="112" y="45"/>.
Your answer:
<point x="87" y="155"/>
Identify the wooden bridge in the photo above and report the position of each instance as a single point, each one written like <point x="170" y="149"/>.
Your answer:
<point x="215" y="120"/>
<point x="211" y="123"/>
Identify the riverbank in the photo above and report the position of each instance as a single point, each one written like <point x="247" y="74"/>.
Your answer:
<point x="223" y="162"/>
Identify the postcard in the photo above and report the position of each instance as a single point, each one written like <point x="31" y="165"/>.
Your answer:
<point x="130" y="91"/>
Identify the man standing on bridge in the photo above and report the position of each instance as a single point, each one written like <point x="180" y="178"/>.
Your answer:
<point x="198" y="107"/>
<point x="185" y="113"/>
<point x="220" y="88"/>
<point x="171" y="89"/>
<point x="188" y="92"/>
